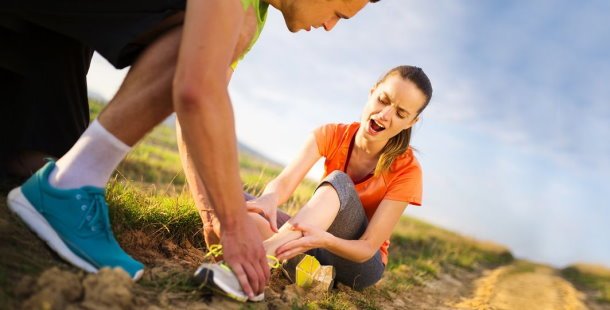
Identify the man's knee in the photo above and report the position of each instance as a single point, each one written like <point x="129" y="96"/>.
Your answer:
<point x="150" y="78"/>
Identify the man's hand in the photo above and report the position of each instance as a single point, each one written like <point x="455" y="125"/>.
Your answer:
<point x="244" y="252"/>
<point x="265" y="205"/>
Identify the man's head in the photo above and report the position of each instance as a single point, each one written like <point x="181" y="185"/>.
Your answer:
<point x="307" y="14"/>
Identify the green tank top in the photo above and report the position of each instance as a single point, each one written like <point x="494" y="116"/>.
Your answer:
<point x="260" y="9"/>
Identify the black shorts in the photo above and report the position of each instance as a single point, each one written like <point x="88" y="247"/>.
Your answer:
<point x="45" y="51"/>
<point x="42" y="81"/>
<point x="110" y="27"/>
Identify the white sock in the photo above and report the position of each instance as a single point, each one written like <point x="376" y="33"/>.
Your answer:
<point x="91" y="160"/>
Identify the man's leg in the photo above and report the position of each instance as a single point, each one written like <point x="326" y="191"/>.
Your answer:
<point x="145" y="97"/>
<point x="12" y="115"/>
<point x="143" y="101"/>
<point x="45" y="87"/>
<point x="73" y="217"/>
<point x="12" y="112"/>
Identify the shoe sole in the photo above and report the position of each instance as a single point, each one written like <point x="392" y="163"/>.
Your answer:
<point x="204" y="275"/>
<point x="21" y="207"/>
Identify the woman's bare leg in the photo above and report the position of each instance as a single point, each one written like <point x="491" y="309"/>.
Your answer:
<point x="320" y="211"/>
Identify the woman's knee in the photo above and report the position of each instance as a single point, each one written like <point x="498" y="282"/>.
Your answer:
<point x="344" y="187"/>
<point x="350" y="221"/>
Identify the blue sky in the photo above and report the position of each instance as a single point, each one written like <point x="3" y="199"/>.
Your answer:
<point x="514" y="144"/>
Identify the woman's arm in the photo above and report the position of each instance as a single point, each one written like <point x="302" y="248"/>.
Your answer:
<point x="379" y="229"/>
<point x="280" y="188"/>
<point x="287" y="181"/>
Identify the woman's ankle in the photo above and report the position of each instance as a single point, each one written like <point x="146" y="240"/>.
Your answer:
<point x="283" y="236"/>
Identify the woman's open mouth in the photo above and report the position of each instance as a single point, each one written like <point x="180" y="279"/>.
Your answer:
<point x="375" y="127"/>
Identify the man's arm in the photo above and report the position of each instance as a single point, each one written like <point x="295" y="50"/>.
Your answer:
<point x="197" y="187"/>
<point x="204" y="110"/>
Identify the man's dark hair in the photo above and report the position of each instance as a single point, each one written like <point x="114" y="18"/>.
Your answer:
<point x="373" y="1"/>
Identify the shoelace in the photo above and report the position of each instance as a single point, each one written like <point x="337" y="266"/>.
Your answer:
<point x="95" y="217"/>
<point x="216" y="250"/>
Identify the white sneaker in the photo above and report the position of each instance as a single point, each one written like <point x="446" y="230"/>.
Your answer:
<point x="220" y="277"/>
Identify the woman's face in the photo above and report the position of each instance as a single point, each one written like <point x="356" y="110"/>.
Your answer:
<point x="392" y="107"/>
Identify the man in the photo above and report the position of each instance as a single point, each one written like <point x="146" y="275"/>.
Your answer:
<point x="181" y="55"/>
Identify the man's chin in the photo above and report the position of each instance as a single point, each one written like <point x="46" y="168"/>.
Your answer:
<point x="292" y="27"/>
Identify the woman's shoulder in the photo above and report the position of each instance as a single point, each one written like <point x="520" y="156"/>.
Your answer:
<point x="333" y="137"/>
<point x="404" y="179"/>
<point x="336" y="129"/>
<point x="340" y="126"/>
<point x="406" y="162"/>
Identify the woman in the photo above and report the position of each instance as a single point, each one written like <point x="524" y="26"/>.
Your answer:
<point x="371" y="175"/>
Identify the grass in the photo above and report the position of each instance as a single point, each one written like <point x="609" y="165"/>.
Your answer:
<point x="334" y="301"/>
<point x="590" y="277"/>
<point x="426" y="251"/>
<point x="165" y="216"/>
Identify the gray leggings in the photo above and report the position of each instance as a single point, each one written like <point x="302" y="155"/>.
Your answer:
<point x="350" y="224"/>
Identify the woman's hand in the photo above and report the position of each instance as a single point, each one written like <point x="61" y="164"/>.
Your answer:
<point x="265" y="205"/>
<point x="312" y="238"/>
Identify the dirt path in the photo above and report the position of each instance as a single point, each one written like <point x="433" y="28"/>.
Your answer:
<point x="523" y="286"/>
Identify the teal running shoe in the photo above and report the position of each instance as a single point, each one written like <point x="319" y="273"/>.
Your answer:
<point x="73" y="222"/>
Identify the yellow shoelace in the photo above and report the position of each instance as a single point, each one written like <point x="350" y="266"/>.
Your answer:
<point x="216" y="250"/>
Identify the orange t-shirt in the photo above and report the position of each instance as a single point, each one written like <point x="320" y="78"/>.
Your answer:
<point x="403" y="181"/>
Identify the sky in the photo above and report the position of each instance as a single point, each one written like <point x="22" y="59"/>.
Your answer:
<point x="515" y="144"/>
